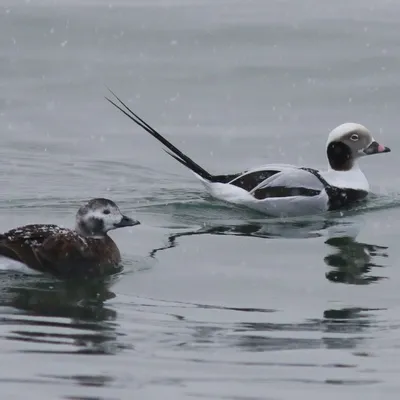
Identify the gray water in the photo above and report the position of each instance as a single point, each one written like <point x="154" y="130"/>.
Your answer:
<point x="214" y="302"/>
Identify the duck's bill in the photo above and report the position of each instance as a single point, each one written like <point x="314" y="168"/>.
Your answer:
<point x="126" y="221"/>
<point x="376" y="148"/>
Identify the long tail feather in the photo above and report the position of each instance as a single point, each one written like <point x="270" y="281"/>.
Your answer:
<point x="176" y="158"/>
<point x="174" y="151"/>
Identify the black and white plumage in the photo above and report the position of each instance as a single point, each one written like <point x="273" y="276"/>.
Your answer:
<point x="283" y="189"/>
<point x="85" y="251"/>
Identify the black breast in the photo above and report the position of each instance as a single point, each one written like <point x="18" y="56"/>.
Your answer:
<point x="339" y="198"/>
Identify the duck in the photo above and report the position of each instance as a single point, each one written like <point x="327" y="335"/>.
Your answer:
<point x="285" y="190"/>
<point x="85" y="251"/>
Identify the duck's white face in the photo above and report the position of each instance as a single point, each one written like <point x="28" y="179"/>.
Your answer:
<point x="348" y="142"/>
<point x="99" y="216"/>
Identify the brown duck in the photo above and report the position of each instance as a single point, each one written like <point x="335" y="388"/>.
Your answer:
<point x="85" y="251"/>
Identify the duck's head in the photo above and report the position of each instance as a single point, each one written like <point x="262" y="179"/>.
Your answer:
<point x="349" y="141"/>
<point x="98" y="216"/>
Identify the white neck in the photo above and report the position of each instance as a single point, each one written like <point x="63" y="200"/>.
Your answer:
<point x="351" y="179"/>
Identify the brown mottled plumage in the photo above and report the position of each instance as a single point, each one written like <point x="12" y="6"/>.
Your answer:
<point x="85" y="251"/>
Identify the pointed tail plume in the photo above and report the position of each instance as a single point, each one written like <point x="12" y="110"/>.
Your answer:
<point x="172" y="150"/>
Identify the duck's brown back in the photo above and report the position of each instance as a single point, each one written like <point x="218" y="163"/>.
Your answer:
<point x="20" y="243"/>
<point x="74" y="255"/>
<point x="61" y="252"/>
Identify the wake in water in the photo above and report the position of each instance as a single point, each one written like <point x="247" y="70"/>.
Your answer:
<point x="197" y="207"/>
<point x="349" y="260"/>
<point x="192" y="213"/>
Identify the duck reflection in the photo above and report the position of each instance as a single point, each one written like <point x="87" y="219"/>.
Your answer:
<point x="351" y="262"/>
<point x="295" y="229"/>
<point x="59" y="316"/>
<point x="337" y="328"/>
<point x="340" y="329"/>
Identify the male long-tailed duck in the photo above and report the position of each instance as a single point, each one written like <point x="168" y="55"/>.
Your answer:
<point x="85" y="251"/>
<point x="288" y="190"/>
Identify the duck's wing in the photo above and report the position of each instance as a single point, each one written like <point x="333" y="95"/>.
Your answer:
<point x="70" y="255"/>
<point x="289" y="183"/>
<point x="20" y="244"/>
<point x="279" y="180"/>
<point x="63" y="253"/>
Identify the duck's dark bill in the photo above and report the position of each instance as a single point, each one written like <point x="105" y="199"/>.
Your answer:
<point x="126" y="221"/>
<point x="376" y="148"/>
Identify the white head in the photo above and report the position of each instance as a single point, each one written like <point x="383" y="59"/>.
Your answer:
<point x="350" y="141"/>
<point x="98" y="216"/>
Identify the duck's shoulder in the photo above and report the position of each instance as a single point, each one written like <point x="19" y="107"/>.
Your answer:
<point x="71" y="248"/>
<point x="68" y="243"/>
<point x="48" y="237"/>
<point x="35" y="233"/>
<point x="25" y="242"/>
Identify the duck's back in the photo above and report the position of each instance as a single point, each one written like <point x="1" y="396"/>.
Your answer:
<point x="74" y="255"/>
<point x="274" y="189"/>
<point x="20" y="244"/>
<point x="59" y="251"/>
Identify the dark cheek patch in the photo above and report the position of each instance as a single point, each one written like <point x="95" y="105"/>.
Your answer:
<point x="96" y="225"/>
<point x="340" y="156"/>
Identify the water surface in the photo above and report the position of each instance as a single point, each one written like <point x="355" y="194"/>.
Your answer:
<point x="214" y="302"/>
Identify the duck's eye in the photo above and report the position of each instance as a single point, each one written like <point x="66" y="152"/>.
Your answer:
<point x="106" y="212"/>
<point x="354" y="137"/>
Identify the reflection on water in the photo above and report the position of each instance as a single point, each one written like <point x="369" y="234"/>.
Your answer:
<point x="259" y="330"/>
<point x="70" y="314"/>
<point x="334" y="323"/>
<point x="269" y="230"/>
<point x="73" y="318"/>
<point x="85" y="380"/>
<point x="67" y="318"/>
<point x="351" y="262"/>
